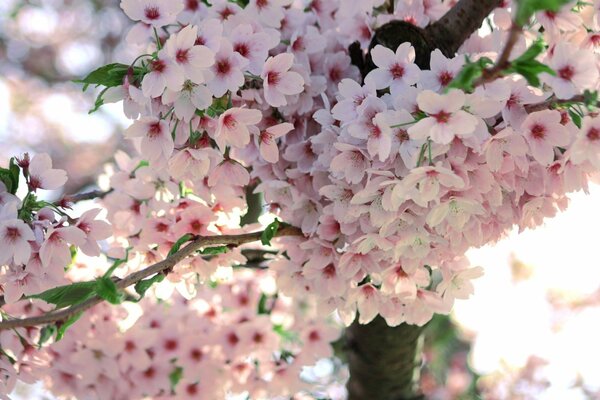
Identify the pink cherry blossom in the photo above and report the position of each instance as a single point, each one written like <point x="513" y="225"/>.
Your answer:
<point x="227" y="70"/>
<point x="95" y="230"/>
<point x="55" y="249"/>
<point x="266" y="140"/>
<point x="164" y="73"/>
<point x="279" y="81"/>
<point x="441" y="72"/>
<point x="587" y="144"/>
<point x="445" y="120"/>
<point x="543" y="133"/>
<point x="194" y="60"/>
<point x="42" y="176"/>
<point x="575" y="68"/>
<point x="232" y="128"/>
<point x="156" y="140"/>
<point x="14" y="236"/>
<point x="157" y="13"/>
<point x="395" y="70"/>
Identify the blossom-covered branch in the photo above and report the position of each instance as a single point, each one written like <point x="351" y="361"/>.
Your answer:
<point x="159" y="267"/>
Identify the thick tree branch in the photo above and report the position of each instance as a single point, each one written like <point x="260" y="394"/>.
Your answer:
<point x="451" y="31"/>
<point x="159" y="267"/>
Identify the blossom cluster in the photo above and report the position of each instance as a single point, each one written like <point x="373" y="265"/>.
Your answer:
<point x="205" y="348"/>
<point x="38" y="238"/>
<point x="391" y="178"/>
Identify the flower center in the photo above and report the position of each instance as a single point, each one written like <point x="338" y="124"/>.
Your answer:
<point x="442" y="117"/>
<point x="593" y="134"/>
<point x="566" y="73"/>
<point x="182" y="56"/>
<point x="538" y="131"/>
<point x="273" y="78"/>
<point x="397" y="71"/>
<point x="152" y="13"/>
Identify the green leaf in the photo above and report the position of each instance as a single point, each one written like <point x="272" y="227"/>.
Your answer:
<point x="590" y="99"/>
<point x="175" y="376"/>
<point x="46" y="333"/>
<point x="214" y="250"/>
<point x="109" y="75"/>
<point x="177" y="245"/>
<point x="469" y="73"/>
<point x="262" y="305"/>
<point x="141" y="164"/>
<point x="10" y="176"/>
<point x="62" y="328"/>
<point x="106" y="288"/>
<point x="283" y="333"/>
<point x="117" y="263"/>
<point x="142" y="286"/>
<point x="269" y="232"/>
<point x="67" y="295"/>
<point x="530" y="70"/>
<point x="526" y="8"/>
<point x="532" y="52"/>
<point x="575" y="117"/>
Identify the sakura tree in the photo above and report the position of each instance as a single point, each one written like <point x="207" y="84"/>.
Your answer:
<point x="295" y="164"/>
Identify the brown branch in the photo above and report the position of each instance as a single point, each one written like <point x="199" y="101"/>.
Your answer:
<point x="497" y="71"/>
<point x="553" y="101"/>
<point x="160" y="267"/>
<point x="94" y="194"/>
<point x="451" y="31"/>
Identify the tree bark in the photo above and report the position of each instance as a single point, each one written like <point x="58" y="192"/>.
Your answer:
<point x="385" y="361"/>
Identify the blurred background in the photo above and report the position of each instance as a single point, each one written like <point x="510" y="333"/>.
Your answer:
<point x="529" y="332"/>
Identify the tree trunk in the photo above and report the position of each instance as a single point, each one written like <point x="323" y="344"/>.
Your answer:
<point x="385" y="361"/>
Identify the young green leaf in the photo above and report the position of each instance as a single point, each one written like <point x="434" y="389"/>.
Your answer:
<point x="469" y="73"/>
<point x="67" y="295"/>
<point x="46" y="333"/>
<point x="214" y="250"/>
<point x="108" y="75"/>
<point x="177" y="245"/>
<point x="10" y="176"/>
<point x="526" y="8"/>
<point x="175" y="376"/>
<point x="106" y="288"/>
<point x="142" y="286"/>
<point x="62" y="327"/>
<point x="269" y="232"/>
<point x="262" y="305"/>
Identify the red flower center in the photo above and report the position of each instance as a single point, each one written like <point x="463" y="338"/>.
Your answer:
<point x="273" y="78"/>
<point x="397" y="71"/>
<point x="152" y="13"/>
<point x="445" y="78"/>
<point x="182" y="56"/>
<point x="566" y="73"/>
<point x="593" y="134"/>
<point x="223" y="67"/>
<point x="538" y="131"/>
<point x="442" y="117"/>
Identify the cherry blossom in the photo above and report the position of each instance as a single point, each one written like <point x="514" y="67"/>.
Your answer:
<point x="279" y="81"/>
<point x="43" y="176"/>
<point x="156" y="140"/>
<point x="157" y="13"/>
<point x="267" y="140"/>
<point x="543" y="132"/>
<point x="445" y="118"/>
<point x="232" y="128"/>
<point x="395" y="70"/>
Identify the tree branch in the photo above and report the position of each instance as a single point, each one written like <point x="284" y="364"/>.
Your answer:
<point x="159" y="267"/>
<point x="451" y="31"/>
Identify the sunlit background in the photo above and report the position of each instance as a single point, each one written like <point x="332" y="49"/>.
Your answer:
<point x="529" y="332"/>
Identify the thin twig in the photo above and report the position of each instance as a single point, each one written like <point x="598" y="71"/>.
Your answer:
<point x="159" y="267"/>
<point x="495" y="72"/>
